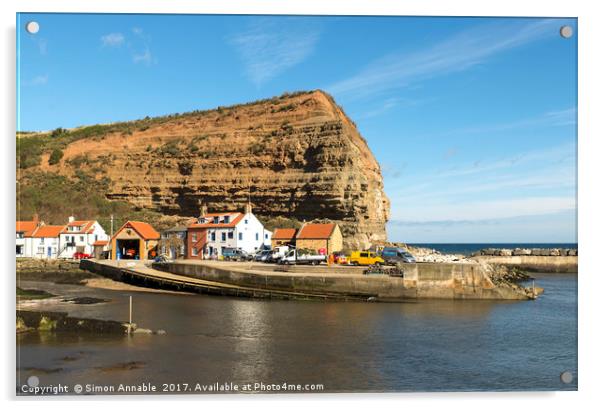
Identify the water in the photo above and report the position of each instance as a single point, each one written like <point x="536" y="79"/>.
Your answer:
<point x="347" y="347"/>
<point x="469" y="248"/>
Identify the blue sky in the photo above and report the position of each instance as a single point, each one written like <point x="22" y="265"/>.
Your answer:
<point x="472" y="119"/>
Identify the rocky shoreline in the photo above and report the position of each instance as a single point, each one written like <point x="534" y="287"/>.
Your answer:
<point x="549" y="252"/>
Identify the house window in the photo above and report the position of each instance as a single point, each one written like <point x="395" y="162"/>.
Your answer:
<point x="40" y="250"/>
<point x="212" y="236"/>
<point x="226" y="219"/>
<point x="240" y="236"/>
<point x="182" y="250"/>
<point x="223" y="236"/>
<point x="256" y="236"/>
<point x="230" y="234"/>
<point x="266" y="236"/>
<point x="20" y="235"/>
<point x="216" y="219"/>
<point x="246" y="221"/>
<point x="42" y="241"/>
<point x="81" y="238"/>
<point x="195" y="251"/>
<point x="194" y="237"/>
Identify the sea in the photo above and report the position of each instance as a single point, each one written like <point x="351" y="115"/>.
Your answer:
<point x="331" y="346"/>
<point x="470" y="248"/>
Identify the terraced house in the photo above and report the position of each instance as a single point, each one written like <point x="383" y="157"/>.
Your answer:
<point x="45" y="241"/>
<point x="24" y="233"/>
<point x="214" y="232"/>
<point x="81" y="236"/>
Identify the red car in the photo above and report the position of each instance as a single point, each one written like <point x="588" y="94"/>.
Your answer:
<point x="79" y="256"/>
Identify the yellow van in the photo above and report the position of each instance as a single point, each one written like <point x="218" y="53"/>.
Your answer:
<point x="365" y="258"/>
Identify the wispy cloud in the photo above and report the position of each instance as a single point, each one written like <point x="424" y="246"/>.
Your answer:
<point x="138" y="44"/>
<point x="112" y="40"/>
<point x="486" y="209"/>
<point x="145" y="57"/>
<point x="38" y="80"/>
<point x="458" y="53"/>
<point x="269" y="48"/>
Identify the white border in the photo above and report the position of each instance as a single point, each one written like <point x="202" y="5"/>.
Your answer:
<point x="589" y="185"/>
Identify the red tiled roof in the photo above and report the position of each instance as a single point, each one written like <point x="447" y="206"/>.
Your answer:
<point x="316" y="231"/>
<point x="284" y="234"/>
<point x="87" y="226"/>
<point x="100" y="243"/>
<point x="48" y="231"/>
<point x="145" y="230"/>
<point x="27" y="227"/>
<point x="235" y="218"/>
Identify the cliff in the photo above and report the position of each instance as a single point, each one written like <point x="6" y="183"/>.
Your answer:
<point x="297" y="156"/>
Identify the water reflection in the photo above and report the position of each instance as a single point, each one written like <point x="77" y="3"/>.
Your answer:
<point x="426" y="345"/>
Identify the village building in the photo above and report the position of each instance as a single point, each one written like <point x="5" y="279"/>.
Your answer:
<point x="135" y="240"/>
<point x="81" y="236"/>
<point x="45" y="241"/>
<point x="283" y="237"/>
<point x="173" y="242"/>
<point x="101" y="249"/>
<point x="323" y="238"/>
<point x="212" y="233"/>
<point x="24" y="232"/>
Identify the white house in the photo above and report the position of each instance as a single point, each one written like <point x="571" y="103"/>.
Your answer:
<point x="81" y="236"/>
<point x="214" y="232"/>
<point x="45" y="241"/>
<point x="24" y="240"/>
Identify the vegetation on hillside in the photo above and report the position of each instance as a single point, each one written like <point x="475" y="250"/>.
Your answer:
<point x="55" y="197"/>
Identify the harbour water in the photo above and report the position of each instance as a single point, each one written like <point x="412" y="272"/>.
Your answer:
<point x="429" y="345"/>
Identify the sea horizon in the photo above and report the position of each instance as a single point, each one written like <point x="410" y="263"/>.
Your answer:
<point x="469" y="248"/>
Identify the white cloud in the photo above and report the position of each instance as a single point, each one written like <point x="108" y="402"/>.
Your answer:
<point x="458" y="53"/>
<point x="268" y="48"/>
<point x="112" y="40"/>
<point x="145" y="57"/>
<point x="38" y="80"/>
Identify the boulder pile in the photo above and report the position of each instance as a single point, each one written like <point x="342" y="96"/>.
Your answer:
<point x="526" y="252"/>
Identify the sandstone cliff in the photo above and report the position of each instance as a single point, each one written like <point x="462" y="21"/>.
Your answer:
<point x="297" y="156"/>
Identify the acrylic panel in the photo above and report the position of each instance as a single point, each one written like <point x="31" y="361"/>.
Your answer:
<point x="295" y="204"/>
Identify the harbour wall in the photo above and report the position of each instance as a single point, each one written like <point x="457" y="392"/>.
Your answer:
<point x="420" y="280"/>
<point x="531" y="263"/>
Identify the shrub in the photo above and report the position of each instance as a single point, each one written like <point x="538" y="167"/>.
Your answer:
<point x="55" y="156"/>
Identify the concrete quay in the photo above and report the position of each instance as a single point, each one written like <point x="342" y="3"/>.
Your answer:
<point x="249" y="279"/>
<point x="535" y="264"/>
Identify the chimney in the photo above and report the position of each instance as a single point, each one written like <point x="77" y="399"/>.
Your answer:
<point x="36" y="219"/>
<point x="248" y="208"/>
<point x="71" y="219"/>
<point x="202" y="209"/>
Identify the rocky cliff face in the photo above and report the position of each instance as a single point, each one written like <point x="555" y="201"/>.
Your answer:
<point x="295" y="156"/>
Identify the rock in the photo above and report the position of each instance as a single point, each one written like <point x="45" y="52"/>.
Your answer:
<point x="521" y="252"/>
<point x="572" y="252"/>
<point x="505" y="252"/>
<point x="488" y="252"/>
<point x="554" y="252"/>
<point x="296" y="156"/>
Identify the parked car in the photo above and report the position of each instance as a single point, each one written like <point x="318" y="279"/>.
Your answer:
<point x="293" y="258"/>
<point x="365" y="258"/>
<point x="80" y="256"/>
<point x="394" y="255"/>
<point x="277" y="253"/>
<point x="340" y="257"/>
<point x="232" y="254"/>
<point x="262" y="255"/>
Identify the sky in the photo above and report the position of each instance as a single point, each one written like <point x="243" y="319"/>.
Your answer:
<point x="473" y="120"/>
